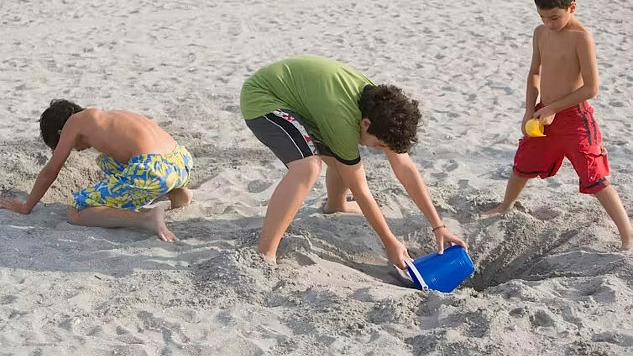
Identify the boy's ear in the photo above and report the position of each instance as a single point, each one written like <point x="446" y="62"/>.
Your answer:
<point x="572" y="7"/>
<point x="365" y="123"/>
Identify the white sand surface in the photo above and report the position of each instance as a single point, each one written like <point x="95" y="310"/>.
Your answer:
<point x="548" y="280"/>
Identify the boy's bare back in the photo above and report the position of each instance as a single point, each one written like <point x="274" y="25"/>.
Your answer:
<point x="119" y="134"/>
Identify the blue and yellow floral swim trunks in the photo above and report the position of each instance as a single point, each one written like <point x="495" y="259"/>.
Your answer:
<point x="143" y="179"/>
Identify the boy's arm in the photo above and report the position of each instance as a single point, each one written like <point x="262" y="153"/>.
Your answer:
<point x="586" y="52"/>
<point x="354" y="178"/>
<point x="533" y="81"/>
<point x="47" y="175"/>
<point x="408" y="174"/>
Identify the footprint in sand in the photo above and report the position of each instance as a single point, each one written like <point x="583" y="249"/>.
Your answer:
<point x="258" y="186"/>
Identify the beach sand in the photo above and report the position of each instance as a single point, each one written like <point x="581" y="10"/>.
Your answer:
<point x="549" y="278"/>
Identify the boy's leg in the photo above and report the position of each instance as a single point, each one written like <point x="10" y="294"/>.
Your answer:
<point x="610" y="200"/>
<point x="180" y="197"/>
<point x="337" y="191"/>
<point x="285" y="202"/>
<point x="103" y="216"/>
<point x="535" y="157"/>
<point x="513" y="190"/>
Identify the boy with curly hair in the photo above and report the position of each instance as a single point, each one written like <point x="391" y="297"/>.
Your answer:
<point x="564" y="72"/>
<point x="140" y="159"/>
<point x="309" y="110"/>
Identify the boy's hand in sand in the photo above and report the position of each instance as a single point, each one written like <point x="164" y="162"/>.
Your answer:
<point x="397" y="253"/>
<point x="13" y="205"/>
<point x="442" y="236"/>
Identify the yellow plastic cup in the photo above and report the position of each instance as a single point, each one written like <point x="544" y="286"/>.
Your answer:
<point x="534" y="128"/>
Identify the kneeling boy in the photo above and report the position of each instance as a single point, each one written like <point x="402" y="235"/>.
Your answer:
<point x="140" y="159"/>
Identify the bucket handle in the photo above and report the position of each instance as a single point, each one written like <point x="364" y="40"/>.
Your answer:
<point x="417" y="274"/>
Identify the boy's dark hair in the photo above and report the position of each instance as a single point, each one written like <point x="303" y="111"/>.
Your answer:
<point x="54" y="118"/>
<point x="551" y="4"/>
<point x="394" y="117"/>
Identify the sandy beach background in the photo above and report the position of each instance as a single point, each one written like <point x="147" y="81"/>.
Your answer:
<point x="548" y="279"/>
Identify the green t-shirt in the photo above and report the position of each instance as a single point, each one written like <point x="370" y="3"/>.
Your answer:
<point x="324" y="92"/>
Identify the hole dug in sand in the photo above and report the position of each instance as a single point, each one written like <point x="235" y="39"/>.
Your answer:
<point x="522" y="246"/>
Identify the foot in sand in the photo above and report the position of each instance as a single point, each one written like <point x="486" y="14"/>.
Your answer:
<point x="268" y="257"/>
<point x="499" y="210"/>
<point x="350" y="207"/>
<point x="627" y="242"/>
<point x="156" y="222"/>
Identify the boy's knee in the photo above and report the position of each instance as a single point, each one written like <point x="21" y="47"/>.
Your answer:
<point x="73" y="216"/>
<point x="311" y="166"/>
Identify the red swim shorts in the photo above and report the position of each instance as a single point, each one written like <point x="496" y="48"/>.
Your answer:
<point x="573" y="134"/>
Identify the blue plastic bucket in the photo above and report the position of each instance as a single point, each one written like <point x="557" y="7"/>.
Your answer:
<point x="441" y="272"/>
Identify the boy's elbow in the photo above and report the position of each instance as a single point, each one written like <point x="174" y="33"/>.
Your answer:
<point x="591" y="89"/>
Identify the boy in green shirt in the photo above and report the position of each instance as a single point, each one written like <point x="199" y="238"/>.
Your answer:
<point x="309" y="110"/>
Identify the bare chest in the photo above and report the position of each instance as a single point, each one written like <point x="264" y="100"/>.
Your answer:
<point x="558" y="54"/>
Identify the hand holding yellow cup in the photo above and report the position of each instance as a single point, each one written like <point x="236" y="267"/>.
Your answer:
<point x="534" y="128"/>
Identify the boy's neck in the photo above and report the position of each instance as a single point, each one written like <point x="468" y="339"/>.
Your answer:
<point x="574" y="24"/>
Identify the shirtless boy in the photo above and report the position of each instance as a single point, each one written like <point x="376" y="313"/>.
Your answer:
<point x="565" y="74"/>
<point x="140" y="159"/>
<point x="309" y="110"/>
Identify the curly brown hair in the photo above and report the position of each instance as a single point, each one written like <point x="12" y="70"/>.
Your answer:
<point x="394" y="117"/>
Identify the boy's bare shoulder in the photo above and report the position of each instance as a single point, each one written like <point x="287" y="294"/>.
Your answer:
<point x="539" y="30"/>
<point x="581" y="39"/>
<point x="83" y="120"/>
<point x="582" y="35"/>
<point x="86" y="114"/>
<point x="538" y="34"/>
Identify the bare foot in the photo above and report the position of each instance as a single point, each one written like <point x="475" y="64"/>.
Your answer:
<point x="180" y="197"/>
<point x="268" y="257"/>
<point x="350" y="207"/>
<point x="501" y="209"/>
<point x="627" y="242"/>
<point x="156" y="223"/>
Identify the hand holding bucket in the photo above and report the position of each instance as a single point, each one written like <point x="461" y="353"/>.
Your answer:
<point x="441" y="272"/>
<point x="534" y="128"/>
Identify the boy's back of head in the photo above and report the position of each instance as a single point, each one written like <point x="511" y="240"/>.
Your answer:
<point x="54" y="118"/>
<point x="394" y="117"/>
<point x="552" y="4"/>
